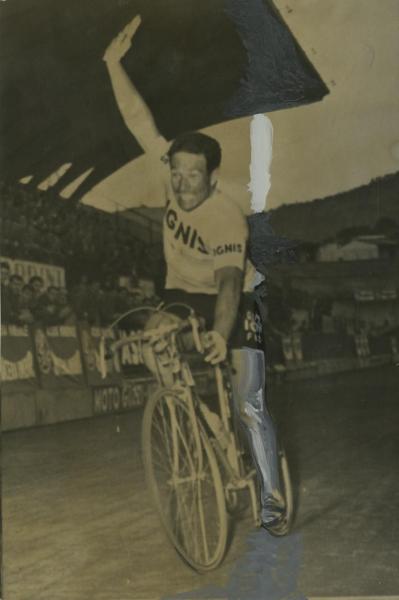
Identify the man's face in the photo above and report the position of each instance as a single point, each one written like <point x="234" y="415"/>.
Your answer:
<point x="190" y="180"/>
<point x="37" y="285"/>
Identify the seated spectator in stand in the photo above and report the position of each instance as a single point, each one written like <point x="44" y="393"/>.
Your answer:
<point x="15" y="285"/>
<point x="27" y="296"/>
<point x="37" y="284"/>
<point x="26" y="314"/>
<point x="85" y="299"/>
<point x="13" y="310"/>
<point x="65" y="310"/>
<point x="122" y="302"/>
<point x="78" y="296"/>
<point x="137" y="296"/>
<point x="46" y="309"/>
<point x="107" y="304"/>
<point x="147" y="287"/>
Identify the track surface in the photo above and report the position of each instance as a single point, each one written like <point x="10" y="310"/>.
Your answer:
<point x="78" y="521"/>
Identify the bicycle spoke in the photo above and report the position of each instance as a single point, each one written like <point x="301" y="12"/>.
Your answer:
<point x="194" y="521"/>
<point x="186" y="482"/>
<point x="202" y="522"/>
<point x="186" y="448"/>
<point x="167" y="433"/>
<point x="185" y="526"/>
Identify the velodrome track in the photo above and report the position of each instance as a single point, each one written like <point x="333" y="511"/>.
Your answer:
<point x="78" y="521"/>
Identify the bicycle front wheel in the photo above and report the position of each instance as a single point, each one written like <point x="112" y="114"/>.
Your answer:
<point x="184" y="480"/>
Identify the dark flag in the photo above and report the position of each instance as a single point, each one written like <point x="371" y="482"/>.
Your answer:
<point x="195" y="63"/>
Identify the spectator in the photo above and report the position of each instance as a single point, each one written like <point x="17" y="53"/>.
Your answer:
<point x="65" y="310"/>
<point x="37" y="284"/>
<point x="5" y="273"/>
<point x="46" y="309"/>
<point x="16" y="285"/>
<point x="108" y="303"/>
<point x="13" y="310"/>
<point x="37" y="225"/>
<point x="26" y="298"/>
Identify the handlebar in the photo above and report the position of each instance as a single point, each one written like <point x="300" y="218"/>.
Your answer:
<point x="152" y="336"/>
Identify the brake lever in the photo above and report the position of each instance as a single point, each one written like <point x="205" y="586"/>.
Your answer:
<point x="196" y="336"/>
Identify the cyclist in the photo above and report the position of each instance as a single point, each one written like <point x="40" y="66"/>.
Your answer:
<point x="205" y="237"/>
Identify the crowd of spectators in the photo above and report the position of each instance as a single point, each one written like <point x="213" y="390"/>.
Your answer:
<point x="26" y="303"/>
<point x="41" y="226"/>
<point x="108" y="268"/>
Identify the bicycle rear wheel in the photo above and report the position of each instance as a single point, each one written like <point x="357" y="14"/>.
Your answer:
<point x="184" y="480"/>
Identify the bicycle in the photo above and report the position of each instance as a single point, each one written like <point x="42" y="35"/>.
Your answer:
<point x="195" y="464"/>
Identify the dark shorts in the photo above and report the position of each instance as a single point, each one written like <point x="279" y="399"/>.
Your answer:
<point x="247" y="330"/>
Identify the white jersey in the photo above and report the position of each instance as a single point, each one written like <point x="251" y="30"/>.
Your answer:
<point x="199" y="242"/>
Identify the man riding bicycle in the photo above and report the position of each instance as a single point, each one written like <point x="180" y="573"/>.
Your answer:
<point x="205" y="238"/>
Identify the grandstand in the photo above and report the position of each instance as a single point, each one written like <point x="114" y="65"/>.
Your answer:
<point x="104" y="256"/>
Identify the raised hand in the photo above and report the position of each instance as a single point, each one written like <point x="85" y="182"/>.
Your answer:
<point x="123" y="41"/>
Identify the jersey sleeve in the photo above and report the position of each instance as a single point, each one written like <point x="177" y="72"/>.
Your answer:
<point x="141" y="182"/>
<point x="228" y="237"/>
<point x="158" y="150"/>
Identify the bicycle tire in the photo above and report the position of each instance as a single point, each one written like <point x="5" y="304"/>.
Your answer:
<point x="286" y="485"/>
<point x="238" y="501"/>
<point x="283" y="527"/>
<point x="205" y="515"/>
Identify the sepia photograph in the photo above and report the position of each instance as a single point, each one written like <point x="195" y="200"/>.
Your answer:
<point x="199" y="247"/>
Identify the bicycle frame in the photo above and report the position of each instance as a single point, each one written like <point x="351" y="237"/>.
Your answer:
<point x="230" y="456"/>
<point x="183" y="385"/>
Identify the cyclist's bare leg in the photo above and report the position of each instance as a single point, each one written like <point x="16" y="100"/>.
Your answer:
<point x="249" y="398"/>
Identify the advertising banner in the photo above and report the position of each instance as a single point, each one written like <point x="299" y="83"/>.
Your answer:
<point x="51" y="274"/>
<point x="58" y="357"/>
<point x="113" y="398"/>
<point x="90" y="338"/>
<point x="17" y="362"/>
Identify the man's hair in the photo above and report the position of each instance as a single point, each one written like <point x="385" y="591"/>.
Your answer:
<point x="36" y="278"/>
<point x="198" y="143"/>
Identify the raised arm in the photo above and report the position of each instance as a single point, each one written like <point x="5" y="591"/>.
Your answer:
<point x="135" y="112"/>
